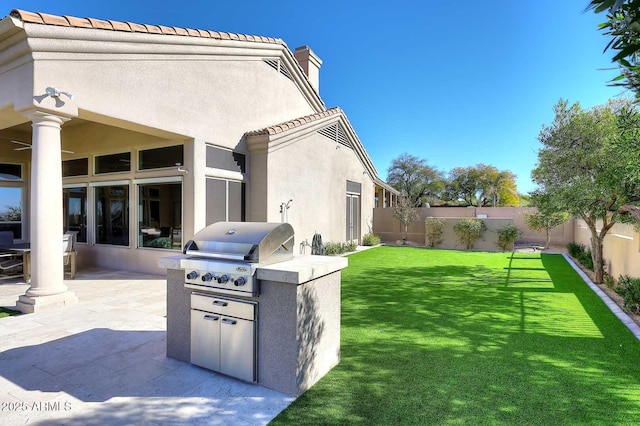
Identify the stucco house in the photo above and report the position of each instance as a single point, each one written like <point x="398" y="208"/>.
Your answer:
<point x="137" y="136"/>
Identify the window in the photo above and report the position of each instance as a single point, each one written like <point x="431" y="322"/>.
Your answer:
<point x="112" y="215"/>
<point x="75" y="212"/>
<point x="11" y="211"/>
<point x="225" y="201"/>
<point x="77" y="167"/>
<point x="11" y="193"/>
<point x="160" y="157"/>
<point x="113" y="163"/>
<point x="10" y="172"/>
<point x="160" y="215"/>
<point x="224" y="159"/>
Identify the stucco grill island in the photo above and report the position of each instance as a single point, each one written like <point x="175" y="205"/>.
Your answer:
<point x="240" y="303"/>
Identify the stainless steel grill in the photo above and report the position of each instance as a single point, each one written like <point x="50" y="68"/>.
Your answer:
<point x="222" y="260"/>
<point x="223" y="257"/>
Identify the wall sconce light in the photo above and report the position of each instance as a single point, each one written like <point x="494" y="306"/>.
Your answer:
<point x="55" y="93"/>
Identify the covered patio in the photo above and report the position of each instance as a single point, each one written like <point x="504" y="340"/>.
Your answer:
<point x="102" y="361"/>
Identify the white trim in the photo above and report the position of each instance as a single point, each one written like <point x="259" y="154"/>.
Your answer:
<point x="224" y="174"/>
<point x="75" y="185"/>
<point x="110" y="183"/>
<point x="167" y="179"/>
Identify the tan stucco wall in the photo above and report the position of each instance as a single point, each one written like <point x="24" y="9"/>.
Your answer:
<point x="314" y="173"/>
<point x="621" y="248"/>
<point x="390" y="230"/>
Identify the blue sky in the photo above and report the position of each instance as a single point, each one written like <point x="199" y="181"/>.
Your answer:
<point x="454" y="82"/>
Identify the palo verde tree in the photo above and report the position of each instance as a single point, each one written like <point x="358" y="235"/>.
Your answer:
<point x="415" y="179"/>
<point x="580" y="170"/>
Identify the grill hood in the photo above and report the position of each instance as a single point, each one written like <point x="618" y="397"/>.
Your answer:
<point x="255" y="242"/>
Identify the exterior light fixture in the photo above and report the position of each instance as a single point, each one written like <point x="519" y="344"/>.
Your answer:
<point x="55" y="93"/>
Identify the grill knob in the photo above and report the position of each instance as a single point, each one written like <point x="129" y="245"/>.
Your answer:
<point x="192" y="275"/>
<point x="240" y="282"/>
<point x="223" y="279"/>
<point x="207" y="277"/>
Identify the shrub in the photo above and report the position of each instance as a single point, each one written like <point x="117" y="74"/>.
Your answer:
<point x="434" y="230"/>
<point x="370" y="239"/>
<point x="575" y="249"/>
<point x="586" y="259"/>
<point x="332" y="249"/>
<point x="609" y="281"/>
<point x="629" y="289"/>
<point x="582" y="254"/>
<point x="507" y="236"/>
<point x="469" y="230"/>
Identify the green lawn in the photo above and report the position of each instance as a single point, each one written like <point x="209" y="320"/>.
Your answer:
<point x="473" y="338"/>
<point x="5" y="312"/>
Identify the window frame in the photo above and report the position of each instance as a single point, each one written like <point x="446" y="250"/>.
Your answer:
<point x="22" y="186"/>
<point x="152" y="181"/>
<point x="94" y="211"/>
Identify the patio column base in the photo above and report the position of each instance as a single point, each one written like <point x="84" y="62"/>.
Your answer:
<point x="30" y="305"/>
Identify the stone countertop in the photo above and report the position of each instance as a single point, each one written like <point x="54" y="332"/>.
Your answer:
<point x="302" y="269"/>
<point x="298" y="270"/>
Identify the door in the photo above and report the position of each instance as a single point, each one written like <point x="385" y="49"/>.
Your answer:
<point x="237" y="348"/>
<point x="205" y="339"/>
<point x="353" y="217"/>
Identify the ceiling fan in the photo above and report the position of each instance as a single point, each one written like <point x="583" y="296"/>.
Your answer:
<point x="28" y="146"/>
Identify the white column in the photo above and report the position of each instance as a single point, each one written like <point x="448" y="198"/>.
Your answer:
<point x="46" y="222"/>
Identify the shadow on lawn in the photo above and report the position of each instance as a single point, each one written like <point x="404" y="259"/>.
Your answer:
<point x="496" y="344"/>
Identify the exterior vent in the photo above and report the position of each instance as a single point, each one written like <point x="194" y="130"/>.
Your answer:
<point x="276" y="64"/>
<point x="336" y="134"/>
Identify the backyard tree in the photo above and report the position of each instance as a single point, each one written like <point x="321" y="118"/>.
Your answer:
<point x="623" y="25"/>
<point x="406" y="213"/>
<point x="415" y="179"/>
<point x="498" y="187"/>
<point x="464" y="185"/>
<point x="545" y="221"/>
<point x="581" y="169"/>
<point x="482" y="185"/>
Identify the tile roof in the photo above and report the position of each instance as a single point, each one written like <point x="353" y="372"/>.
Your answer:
<point x="72" y="21"/>
<point x="279" y="128"/>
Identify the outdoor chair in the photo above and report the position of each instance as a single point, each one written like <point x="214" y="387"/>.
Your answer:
<point x="69" y="252"/>
<point x="9" y="262"/>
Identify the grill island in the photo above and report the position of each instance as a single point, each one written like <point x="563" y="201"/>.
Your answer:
<point x="239" y="303"/>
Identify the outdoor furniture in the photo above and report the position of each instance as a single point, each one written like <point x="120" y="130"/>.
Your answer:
<point x="9" y="262"/>
<point x="69" y="252"/>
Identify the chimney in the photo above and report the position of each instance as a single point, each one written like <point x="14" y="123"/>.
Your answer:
<point x="310" y="63"/>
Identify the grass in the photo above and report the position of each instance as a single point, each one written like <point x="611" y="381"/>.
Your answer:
<point x="4" y="312"/>
<point x="435" y="337"/>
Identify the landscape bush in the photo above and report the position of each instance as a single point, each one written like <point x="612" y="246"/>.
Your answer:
<point x="581" y="254"/>
<point x="332" y="249"/>
<point x="629" y="289"/>
<point x="574" y="249"/>
<point x="469" y="231"/>
<point x="507" y="236"/>
<point x="609" y="281"/>
<point x="370" y="239"/>
<point x="434" y="230"/>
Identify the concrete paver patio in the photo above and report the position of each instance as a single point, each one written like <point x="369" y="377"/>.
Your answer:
<point x="102" y="361"/>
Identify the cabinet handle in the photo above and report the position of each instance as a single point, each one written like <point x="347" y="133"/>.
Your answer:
<point x="212" y="317"/>
<point x="219" y="303"/>
<point x="229" y="321"/>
